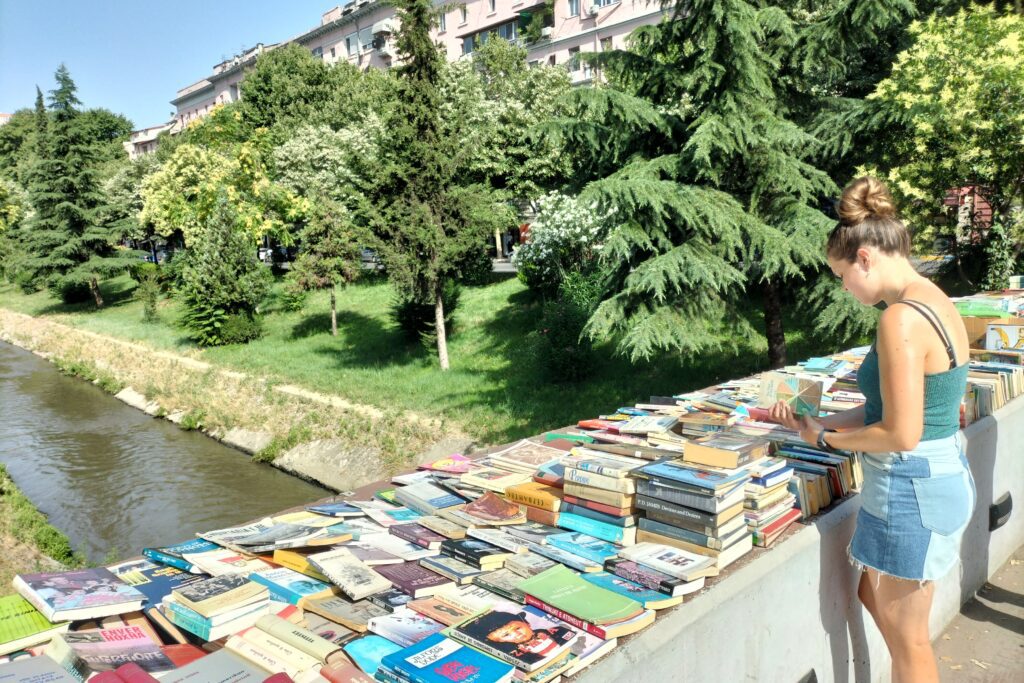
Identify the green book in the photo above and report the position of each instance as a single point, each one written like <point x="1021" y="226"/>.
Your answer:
<point x="563" y="589"/>
<point x="23" y="626"/>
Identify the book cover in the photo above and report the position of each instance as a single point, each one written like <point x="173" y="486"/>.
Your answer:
<point x="219" y="594"/>
<point x="525" y="638"/>
<point x="528" y="564"/>
<point x="398" y="547"/>
<point x="391" y="599"/>
<point x="536" y="494"/>
<point x="351" y="615"/>
<point x="615" y="499"/>
<point x="650" y="577"/>
<point x="606" y="464"/>
<point x="503" y="582"/>
<point x="592" y="527"/>
<point x="440" y="611"/>
<point x="40" y="669"/>
<point x="583" y="545"/>
<point x="673" y="561"/>
<point x="23" y="626"/>
<point x="533" y="532"/>
<point x="411" y="578"/>
<point x="650" y="599"/>
<point x="438" y="659"/>
<point x="355" y="579"/>
<point x="393" y="516"/>
<point x="475" y="552"/>
<point x="710" y="480"/>
<point x="600" y="481"/>
<point x="577" y="562"/>
<point x="105" y="649"/>
<point x="499" y="538"/>
<point x="404" y="626"/>
<point x="288" y="585"/>
<point x="369" y="554"/>
<point x="567" y="591"/>
<point x="426" y="497"/>
<point x="174" y="555"/>
<point x="725" y="450"/>
<point x="453" y="464"/>
<point x="368" y="651"/>
<point x="494" y="509"/>
<point x="153" y="580"/>
<point x="456" y="570"/>
<point x="336" y="509"/>
<point x="802" y="393"/>
<point x="78" y="594"/>
<point x="222" y="666"/>
<point x="646" y="424"/>
<point x="326" y="629"/>
<point x="525" y="456"/>
<point x="442" y="526"/>
<point x="417" y="535"/>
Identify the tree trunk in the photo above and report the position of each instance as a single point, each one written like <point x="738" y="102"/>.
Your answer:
<point x="94" y="287"/>
<point x="334" y="314"/>
<point x="773" y="324"/>
<point x="442" y="342"/>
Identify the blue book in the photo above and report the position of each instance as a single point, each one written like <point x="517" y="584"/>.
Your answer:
<point x="776" y="477"/>
<point x="593" y="549"/>
<point x="650" y="599"/>
<point x="600" y="530"/>
<point x="155" y="581"/>
<point x="173" y="554"/>
<point x="287" y="585"/>
<point x="336" y="510"/>
<point x="437" y="659"/>
<point x="368" y="651"/>
<point x="579" y="510"/>
<point x="693" y="476"/>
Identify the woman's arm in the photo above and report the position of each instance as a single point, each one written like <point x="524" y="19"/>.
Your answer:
<point x="847" y="419"/>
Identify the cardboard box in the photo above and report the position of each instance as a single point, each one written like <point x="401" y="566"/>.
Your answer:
<point x="977" y="328"/>
<point x="999" y="336"/>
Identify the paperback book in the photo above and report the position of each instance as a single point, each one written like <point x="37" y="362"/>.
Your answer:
<point x="526" y="638"/>
<point x="79" y="594"/>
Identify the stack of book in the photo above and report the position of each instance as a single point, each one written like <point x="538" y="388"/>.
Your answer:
<point x="217" y="606"/>
<point x="600" y="495"/>
<point x="768" y="502"/>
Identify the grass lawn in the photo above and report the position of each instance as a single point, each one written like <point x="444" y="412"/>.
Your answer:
<point x="493" y="390"/>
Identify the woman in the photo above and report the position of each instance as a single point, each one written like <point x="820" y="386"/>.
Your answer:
<point x="918" y="494"/>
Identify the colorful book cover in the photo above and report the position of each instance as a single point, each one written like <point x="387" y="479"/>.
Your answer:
<point x="584" y="545"/>
<point x="174" y="555"/>
<point x="494" y="508"/>
<point x="339" y="509"/>
<point x="105" y="649"/>
<point x="453" y="464"/>
<point x="647" y="597"/>
<point x="709" y="480"/>
<point x="404" y="626"/>
<point x="437" y="659"/>
<point x="411" y="578"/>
<point x="524" y="637"/>
<point x="23" y="626"/>
<point x="418" y="535"/>
<point x="78" y="594"/>
<point x="802" y="393"/>
<point x="153" y="580"/>
<point x="592" y="527"/>
<point x="368" y="651"/>
<point x="560" y="587"/>
<point x="393" y="516"/>
<point x="288" y="585"/>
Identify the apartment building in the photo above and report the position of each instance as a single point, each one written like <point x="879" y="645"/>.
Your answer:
<point x="144" y="140"/>
<point x="4" y="118"/>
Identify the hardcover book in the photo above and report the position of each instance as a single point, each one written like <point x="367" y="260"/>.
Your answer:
<point x="355" y="579"/>
<point x="437" y="659"/>
<point x="525" y="638"/>
<point x="79" y="594"/>
<point x="411" y="578"/>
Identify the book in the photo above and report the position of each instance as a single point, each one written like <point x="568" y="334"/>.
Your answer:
<point x="393" y="516"/>
<point x="226" y="561"/>
<point x="803" y="394"/>
<point x="535" y="494"/>
<point x="153" y="580"/>
<point x="393" y="545"/>
<point x="539" y="516"/>
<point x="368" y="651"/>
<point x="706" y="501"/>
<point x="410" y="478"/>
<point x="696" y="538"/>
<point x="336" y="509"/>
<point x="40" y="669"/>
<point x="592" y="459"/>
<point x="440" y="611"/>
<point x="492" y="509"/>
<point x="675" y="562"/>
<point x="475" y="553"/>
<point x="413" y="579"/>
<point x="23" y="626"/>
<point x="577" y="562"/>
<point x="609" y="510"/>
<point x="442" y="526"/>
<point x="175" y="555"/>
<point x="606" y="532"/>
<point x="652" y="578"/>
<point x="355" y="579"/>
<point x="327" y="629"/>
<point x="222" y="666"/>
<point x="453" y="464"/>
<point x="503" y="582"/>
<point x="457" y="571"/>
<point x="687" y="516"/>
<point x="725" y="450"/>
<point x="614" y="499"/>
<point x="528" y="564"/>
<point x="220" y="594"/>
<point x="704" y="479"/>
<point x="342" y="671"/>
<point x="648" y="598"/>
<point x="182" y="653"/>
<point x="722" y="558"/>
<point x="351" y="615"/>
<point x="525" y="456"/>
<point x="646" y="424"/>
<point x="298" y="560"/>
<point x="591" y="608"/>
<point x="438" y="658"/>
<point x="404" y="626"/>
<point x="764" y="537"/>
<point x="426" y="498"/>
<point x="79" y="594"/>
<point x="105" y="649"/>
<point x="534" y="532"/>
<point x="391" y="599"/>
<point x="600" y="481"/>
<point x="525" y="638"/>
<point x="499" y="538"/>
<point x="126" y="673"/>
<point x="417" y="535"/>
<point x="583" y="545"/>
<point x="212" y="628"/>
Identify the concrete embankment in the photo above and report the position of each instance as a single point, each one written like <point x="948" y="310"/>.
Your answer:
<point x="324" y="438"/>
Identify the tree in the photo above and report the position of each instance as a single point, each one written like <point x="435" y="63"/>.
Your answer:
<point x="330" y="253"/>
<point x="426" y="221"/>
<point x="70" y="249"/>
<point x="959" y="123"/>
<point x="320" y="162"/>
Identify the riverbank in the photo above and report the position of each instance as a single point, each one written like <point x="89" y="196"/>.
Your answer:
<point x="29" y="543"/>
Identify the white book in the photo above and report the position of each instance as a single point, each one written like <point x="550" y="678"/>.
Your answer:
<point x="672" y="561"/>
<point x="355" y="579"/>
<point x="398" y="547"/>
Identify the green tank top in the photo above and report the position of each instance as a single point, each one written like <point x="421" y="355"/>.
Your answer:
<point x="943" y="391"/>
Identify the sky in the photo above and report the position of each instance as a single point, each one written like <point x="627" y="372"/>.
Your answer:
<point x="132" y="56"/>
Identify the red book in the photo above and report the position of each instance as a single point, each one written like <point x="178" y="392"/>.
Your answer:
<point x="766" y="536"/>
<point x="126" y="673"/>
<point x="541" y="516"/>
<point x="610" y="425"/>
<point x="344" y="672"/>
<point x="279" y="678"/>
<point x="182" y="653"/>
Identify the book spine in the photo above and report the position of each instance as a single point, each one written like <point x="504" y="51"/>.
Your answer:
<point x="572" y="620"/>
<point x="386" y="676"/>
<point x="411" y="537"/>
<point x="647" y="580"/>
<point x="680" y="534"/>
<point x="484" y="647"/>
<point x="278" y="593"/>
<point x="579" y="550"/>
<point x="682" y="523"/>
<point x="170" y="560"/>
<point x="189" y="622"/>
<point x="600" y="481"/>
<point x="585" y="525"/>
<point x="549" y="503"/>
<point x="705" y="502"/>
<point x="612" y="510"/>
<point x="613" y="498"/>
<point x="584" y="511"/>
<point x="681" y="511"/>
<point x="539" y="516"/>
<point x="598" y="469"/>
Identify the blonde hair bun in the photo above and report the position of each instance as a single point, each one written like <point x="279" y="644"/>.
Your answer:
<point x="865" y="198"/>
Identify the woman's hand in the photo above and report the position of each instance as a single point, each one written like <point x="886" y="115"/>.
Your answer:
<point x="808" y="427"/>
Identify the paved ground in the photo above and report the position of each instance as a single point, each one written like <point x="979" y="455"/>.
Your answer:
<point x="986" y="640"/>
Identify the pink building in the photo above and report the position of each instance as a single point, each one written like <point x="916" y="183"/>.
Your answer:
<point x="144" y="141"/>
<point x="4" y="118"/>
<point x="362" y="33"/>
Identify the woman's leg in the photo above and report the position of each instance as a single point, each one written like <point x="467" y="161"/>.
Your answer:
<point x="901" y="610"/>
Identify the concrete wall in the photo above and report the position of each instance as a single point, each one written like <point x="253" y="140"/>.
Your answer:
<point x="793" y="609"/>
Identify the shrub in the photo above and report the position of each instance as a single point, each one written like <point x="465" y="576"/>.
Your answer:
<point x="561" y="350"/>
<point x="415" y="317"/>
<point x="148" y="291"/>
<point x="71" y="290"/>
<point x="240" y="328"/>
<point x="564" y="238"/>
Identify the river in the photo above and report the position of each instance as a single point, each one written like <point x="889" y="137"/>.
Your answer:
<point x="116" y="480"/>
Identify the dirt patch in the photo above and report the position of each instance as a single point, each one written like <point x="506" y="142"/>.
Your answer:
<point x="20" y="558"/>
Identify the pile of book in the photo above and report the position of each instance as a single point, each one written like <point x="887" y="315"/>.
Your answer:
<point x="524" y="565"/>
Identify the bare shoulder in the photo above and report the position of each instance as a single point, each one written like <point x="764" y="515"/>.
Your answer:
<point x="935" y="299"/>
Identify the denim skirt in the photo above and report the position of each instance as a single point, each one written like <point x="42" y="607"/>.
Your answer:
<point x="915" y="506"/>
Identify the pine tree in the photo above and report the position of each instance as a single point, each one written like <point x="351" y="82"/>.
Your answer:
<point x="70" y="250"/>
<point x="427" y="222"/>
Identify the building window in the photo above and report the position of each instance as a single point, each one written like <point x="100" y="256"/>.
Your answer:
<point x="603" y="3"/>
<point x="574" y="8"/>
<point x="574" y="59"/>
<point x="318" y="52"/>
<point x="234" y="92"/>
<point x="467" y="44"/>
<point x="366" y="38"/>
<point x="441" y="23"/>
<point x="606" y="44"/>
<point x="351" y="44"/>
<point x="462" y="12"/>
<point x="491" y="5"/>
<point x="332" y="54"/>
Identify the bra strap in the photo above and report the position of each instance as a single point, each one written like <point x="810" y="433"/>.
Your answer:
<point x="940" y="329"/>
